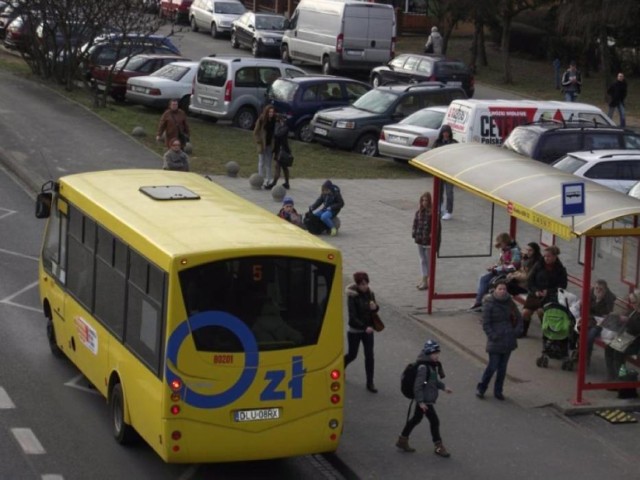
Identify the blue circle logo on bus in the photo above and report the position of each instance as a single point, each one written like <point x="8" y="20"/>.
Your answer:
<point x="249" y="345"/>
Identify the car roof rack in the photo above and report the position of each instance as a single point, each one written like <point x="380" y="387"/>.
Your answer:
<point x="425" y="84"/>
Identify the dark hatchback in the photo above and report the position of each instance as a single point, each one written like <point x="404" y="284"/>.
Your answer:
<point x="410" y="68"/>
<point x="301" y="97"/>
<point x="548" y="141"/>
<point x="261" y="32"/>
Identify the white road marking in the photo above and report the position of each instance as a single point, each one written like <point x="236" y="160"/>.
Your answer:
<point x="8" y="300"/>
<point x="18" y="254"/>
<point x="28" y="441"/>
<point x="5" y="401"/>
<point x="6" y="212"/>
<point x="52" y="476"/>
<point x="189" y="472"/>
<point x="75" y="383"/>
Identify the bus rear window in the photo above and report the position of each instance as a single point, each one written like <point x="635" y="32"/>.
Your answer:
<point x="281" y="299"/>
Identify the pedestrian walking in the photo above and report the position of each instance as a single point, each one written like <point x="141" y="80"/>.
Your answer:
<point x="421" y="234"/>
<point x="571" y="82"/>
<point x="502" y="323"/>
<point x="328" y="205"/>
<point x="445" y="137"/>
<point x="426" y="385"/>
<point x="361" y="302"/>
<point x="263" y="134"/>
<point x="434" y="42"/>
<point x="175" y="158"/>
<point x="173" y="124"/>
<point x="282" y="156"/>
<point x="617" y="92"/>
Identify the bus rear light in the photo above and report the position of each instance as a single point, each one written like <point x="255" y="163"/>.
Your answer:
<point x="184" y="261"/>
<point x="175" y="397"/>
<point x="335" y="374"/>
<point x="333" y="424"/>
<point x="177" y="435"/>
<point x="333" y="437"/>
<point x="175" y="409"/>
<point x="176" y="384"/>
<point x="335" y="399"/>
<point x="331" y="256"/>
<point x="335" y="386"/>
<point x="176" y="448"/>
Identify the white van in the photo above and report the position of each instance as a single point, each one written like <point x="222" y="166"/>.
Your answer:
<point x="340" y="34"/>
<point x="491" y="121"/>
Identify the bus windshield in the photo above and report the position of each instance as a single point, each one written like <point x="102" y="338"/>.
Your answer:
<point x="281" y="299"/>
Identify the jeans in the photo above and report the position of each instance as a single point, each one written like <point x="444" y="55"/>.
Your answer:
<point x="424" y="251"/>
<point x="434" y="422"/>
<point x="326" y="216"/>
<point x="497" y="362"/>
<point x="264" y="164"/>
<point x="353" y="341"/>
<point x="570" y="96"/>
<point x="448" y="189"/>
<point x="620" y="108"/>
<point x="483" y="285"/>
<point x="594" y="332"/>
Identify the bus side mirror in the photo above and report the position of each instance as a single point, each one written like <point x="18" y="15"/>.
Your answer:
<point x="43" y="204"/>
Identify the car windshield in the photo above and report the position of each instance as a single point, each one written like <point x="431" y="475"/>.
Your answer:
<point x="232" y="8"/>
<point x="171" y="72"/>
<point x="425" y="118"/>
<point x="569" y="163"/>
<point x="283" y="90"/>
<point x="377" y="101"/>
<point x="269" y="22"/>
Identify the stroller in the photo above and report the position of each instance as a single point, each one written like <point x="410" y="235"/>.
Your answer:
<point x="558" y="336"/>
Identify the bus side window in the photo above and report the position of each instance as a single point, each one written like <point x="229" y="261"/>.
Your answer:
<point x="80" y="282"/>
<point x="55" y="241"/>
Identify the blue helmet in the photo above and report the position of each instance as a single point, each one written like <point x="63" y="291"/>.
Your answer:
<point x="431" y="347"/>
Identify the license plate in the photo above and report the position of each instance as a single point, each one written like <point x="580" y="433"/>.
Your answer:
<point x="398" y="140"/>
<point x="454" y="84"/>
<point x="208" y="101"/>
<point x="359" y="53"/>
<point x="320" y="131"/>
<point x="139" y="89"/>
<point x="256" y="415"/>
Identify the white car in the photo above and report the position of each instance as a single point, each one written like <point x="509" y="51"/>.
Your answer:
<point x="171" y="81"/>
<point x="616" y="169"/>
<point x="413" y="135"/>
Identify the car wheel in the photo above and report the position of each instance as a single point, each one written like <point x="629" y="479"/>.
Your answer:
<point x="183" y="103"/>
<point x="255" y="49"/>
<point x="214" y="30"/>
<point x="400" y="160"/>
<point x="234" y="40"/>
<point x="367" y="145"/>
<point x="304" y="133"/>
<point x="194" y="25"/>
<point x="376" y="81"/>
<point x="284" y="54"/>
<point x="245" y="118"/>
<point x="122" y="432"/>
<point x="326" y="66"/>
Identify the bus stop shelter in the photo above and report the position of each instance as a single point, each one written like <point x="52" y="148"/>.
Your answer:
<point x="535" y="193"/>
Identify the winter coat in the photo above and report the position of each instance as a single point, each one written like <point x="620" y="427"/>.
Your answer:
<point x="435" y="41"/>
<point x="498" y="323"/>
<point x="176" y="161"/>
<point x="260" y="136"/>
<point x="359" y="310"/>
<point x="421" y="232"/>
<point x="600" y="308"/>
<point x="280" y="139"/>
<point x="332" y="200"/>
<point x="171" y="123"/>
<point x="543" y="278"/>
<point x="291" y="217"/>
<point x="617" y="92"/>
<point x="440" y="142"/>
<point x="510" y="258"/>
<point x="427" y="375"/>
<point x="567" y="85"/>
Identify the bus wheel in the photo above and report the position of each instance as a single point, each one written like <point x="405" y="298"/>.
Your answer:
<point x="53" y="344"/>
<point x="123" y="433"/>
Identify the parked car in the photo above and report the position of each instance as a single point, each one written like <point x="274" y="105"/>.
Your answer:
<point x="233" y="88"/>
<point x="171" y="81"/>
<point x="9" y="12"/>
<point x="301" y="97"/>
<point x="175" y="10"/>
<point x="357" y="127"/>
<point x="413" y="135"/>
<point x="19" y="33"/>
<point x="616" y="169"/>
<point x="214" y="16"/>
<point x="548" y="141"/>
<point x="412" y="68"/>
<point x="261" y="32"/>
<point x="108" y="49"/>
<point x="126" y="68"/>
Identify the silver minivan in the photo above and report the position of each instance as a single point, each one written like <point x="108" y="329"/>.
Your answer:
<point x="214" y="16"/>
<point x="233" y="88"/>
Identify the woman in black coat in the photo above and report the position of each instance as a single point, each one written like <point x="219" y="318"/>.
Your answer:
<point x="548" y="276"/>
<point x="281" y="144"/>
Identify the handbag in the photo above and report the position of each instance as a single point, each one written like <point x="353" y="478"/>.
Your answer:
<point x="378" y="326"/>
<point x="183" y="137"/>
<point x="622" y="342"/>
<point x="285" y="158"/>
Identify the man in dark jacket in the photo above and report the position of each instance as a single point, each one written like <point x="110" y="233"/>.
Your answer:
<point x="617" y="92"/>
<point x="445" y="137"/>
<point x="571" y="82"/>
<point x="328" y="205"/>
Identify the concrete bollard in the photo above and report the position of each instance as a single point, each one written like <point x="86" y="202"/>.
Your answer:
<point x="278" y="192"/>
<point x="232" y="169"/>
<point x="138" y="132"/>
<point x="188" y="148"/>
<point x="256" y="181"/>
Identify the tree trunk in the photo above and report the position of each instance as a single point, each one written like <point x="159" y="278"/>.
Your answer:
<point x="504" y="45"/>
<point x="474" y="49"/>
<point x="606" y="59"/>
<point x="484" y="60"/>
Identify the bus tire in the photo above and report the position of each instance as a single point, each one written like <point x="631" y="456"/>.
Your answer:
<point x="123" y="433"/>
<point x="53" y="343"/>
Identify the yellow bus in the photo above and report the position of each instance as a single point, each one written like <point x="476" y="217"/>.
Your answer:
<point x="212" y="327"/>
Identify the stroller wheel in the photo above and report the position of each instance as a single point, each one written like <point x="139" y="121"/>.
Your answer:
<point x="539" y="362"/>
<point x="545" y="361"/>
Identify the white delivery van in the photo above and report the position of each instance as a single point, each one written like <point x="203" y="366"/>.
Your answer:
<point x="491" y="121"/>
<point x="340" y="34"/>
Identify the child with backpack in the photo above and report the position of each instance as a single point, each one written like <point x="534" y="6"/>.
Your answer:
<point x="426" y="373"/>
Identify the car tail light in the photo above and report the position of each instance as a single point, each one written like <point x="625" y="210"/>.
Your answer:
<point x="421" y="142"/>
<point x="339" y="44"/>
<point x="393" y="47"/>
<point x="382" y="137"/>
<point x="228" y="90"/>
<point x="193" y="86"/>
<point x="433" y="78"/>
<point x="155" y="92"/>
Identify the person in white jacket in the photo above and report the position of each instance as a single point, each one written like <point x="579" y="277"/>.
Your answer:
<point x="434" y="42"/>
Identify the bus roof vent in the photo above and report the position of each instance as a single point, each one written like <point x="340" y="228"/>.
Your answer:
<point x="169" y="192"/>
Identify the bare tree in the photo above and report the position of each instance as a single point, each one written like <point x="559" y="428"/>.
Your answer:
<point x="481" y="13"/>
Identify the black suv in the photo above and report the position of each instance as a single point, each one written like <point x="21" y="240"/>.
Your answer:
<point x="358" y="126"/>
<point x="548" y="141"/>
<point x="411" y="68"/>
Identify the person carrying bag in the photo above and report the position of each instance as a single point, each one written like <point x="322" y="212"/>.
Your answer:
<point x="281" y="152"/>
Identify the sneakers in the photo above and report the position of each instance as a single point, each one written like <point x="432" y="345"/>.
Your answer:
<point x="372" y="388"/>
<point x="441" y="451"/>
<point x="334" y="231"/>
<point x="447" y="216"/>
<point x="476" y="306"/>
<point x="480" y="394"/>
<point x="286" y="185"/>
<point x="498" y="396"/>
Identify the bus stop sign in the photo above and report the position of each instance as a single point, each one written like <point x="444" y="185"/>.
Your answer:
<point x="572" y="199"/>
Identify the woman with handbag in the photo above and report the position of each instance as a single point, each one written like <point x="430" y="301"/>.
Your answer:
<point x="628" y="340"/>
<point x="362" y="306"/>
<point x="281" y="152"/>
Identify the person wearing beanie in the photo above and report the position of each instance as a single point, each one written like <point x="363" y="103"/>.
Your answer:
<point x="289" y="213"/>
<point x="328" y="205"/>
<point x="426" y="386"/>
<point x="434" y="42"/>
<point x="445" y="137"/>
<point x="361" y="303"/>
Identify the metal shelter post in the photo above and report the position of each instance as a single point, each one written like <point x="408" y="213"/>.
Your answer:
<point x="435" y="234"/>
<point x="584" y="323"/>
